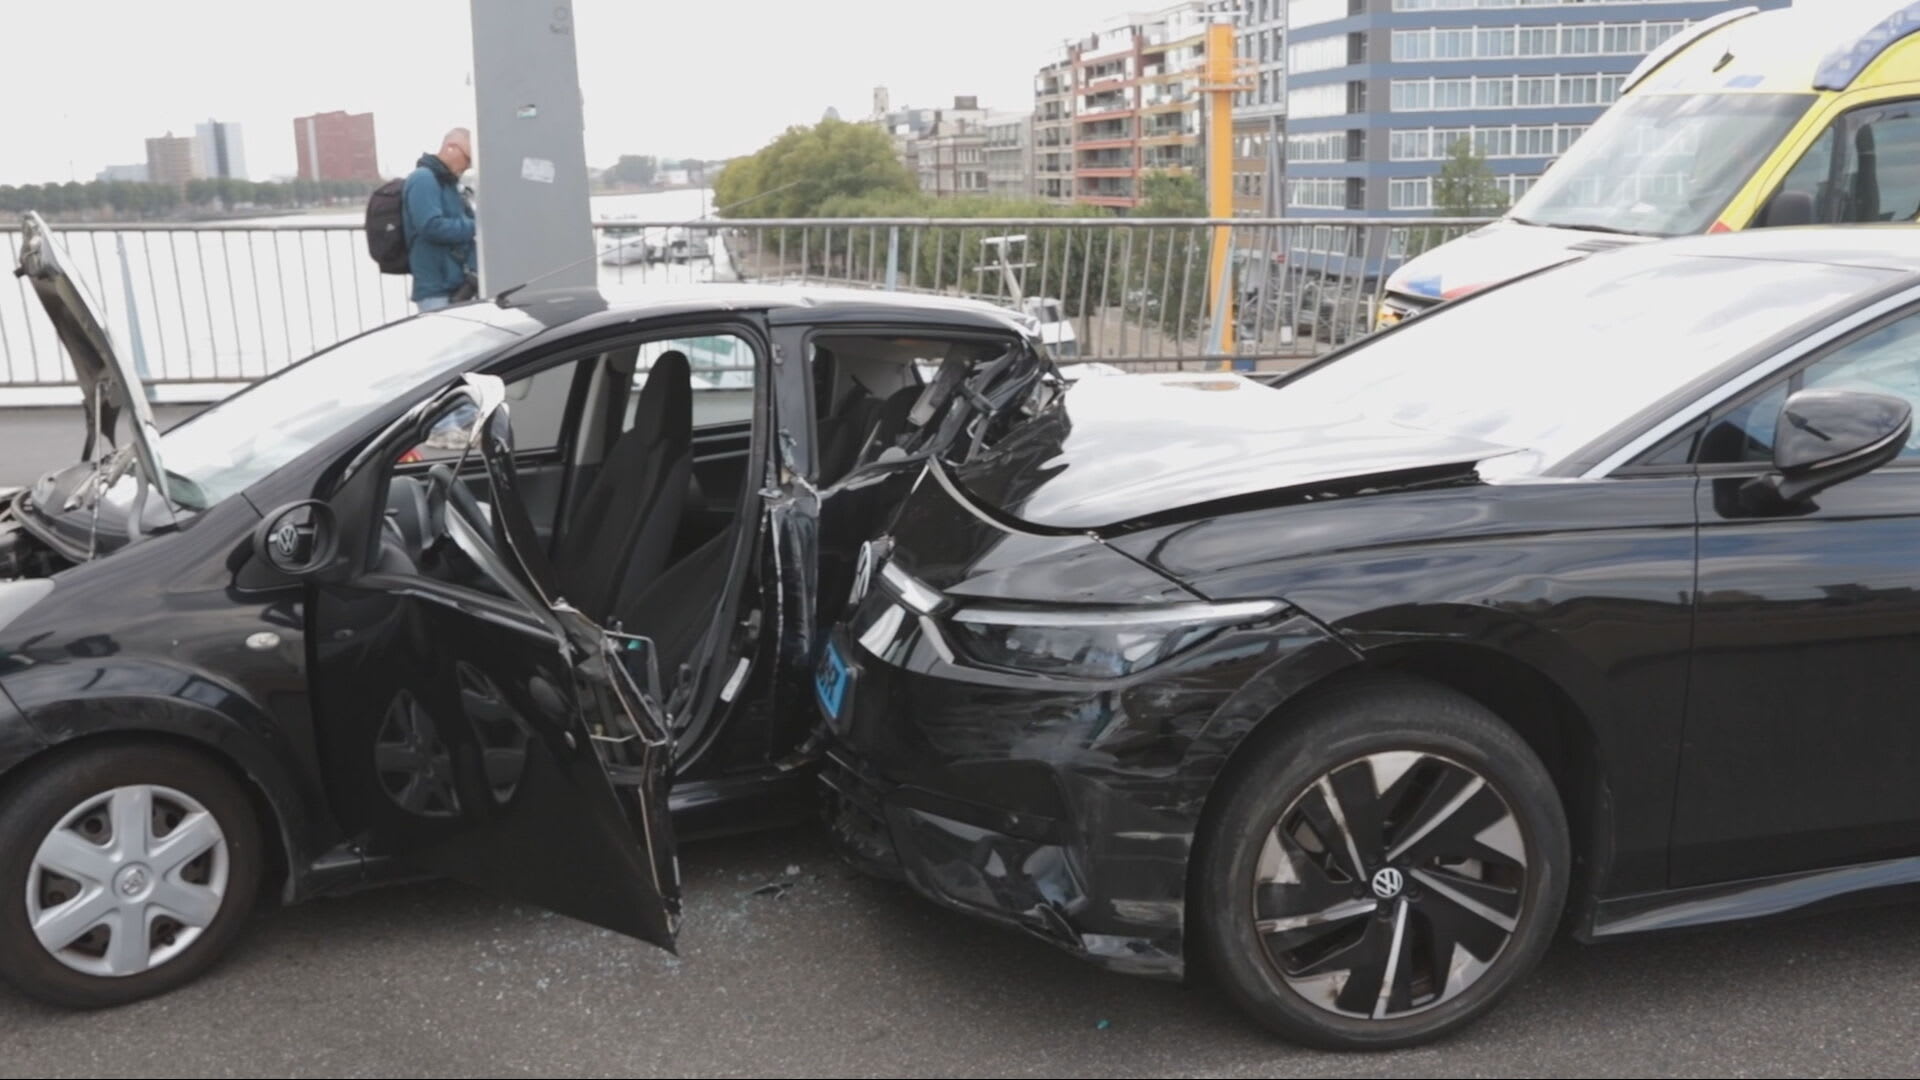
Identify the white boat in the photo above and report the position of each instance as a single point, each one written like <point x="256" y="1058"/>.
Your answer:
<point x="625" y="246"/>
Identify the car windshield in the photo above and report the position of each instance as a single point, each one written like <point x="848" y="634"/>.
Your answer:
<point x="223" y="450"/>
<point x="1554" y="361"/>
<point x="1661" y="164"/>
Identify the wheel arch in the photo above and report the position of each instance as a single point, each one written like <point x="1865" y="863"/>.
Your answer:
<point x="287" y="816"/>
<point x="1530" y="702"/>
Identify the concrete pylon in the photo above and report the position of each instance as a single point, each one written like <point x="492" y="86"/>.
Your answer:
<point x="530" y="144"/>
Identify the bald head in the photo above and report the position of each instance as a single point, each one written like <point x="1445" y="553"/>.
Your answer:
<point x="456" y="150"/>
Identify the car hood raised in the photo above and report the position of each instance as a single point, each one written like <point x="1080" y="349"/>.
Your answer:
<point x="1127" y="451"/>
<point x="109" y="385"/>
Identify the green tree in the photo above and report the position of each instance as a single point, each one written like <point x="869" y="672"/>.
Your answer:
<point x="1165" y="283"/>
<point x="1465" y="186"/>
<point x="635" y="169"/>
<point x="797" y="173"/>
<point x="1172" y="195"/>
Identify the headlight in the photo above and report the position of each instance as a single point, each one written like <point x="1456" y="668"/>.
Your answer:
<point x="1103" y="643"/>
<point x="1393" y="311"/>
<point x="913" y="592"/>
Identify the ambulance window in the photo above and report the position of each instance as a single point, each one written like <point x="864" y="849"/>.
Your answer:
<point x="1883" y="171"/>
<point x="1877" y="176"/>
<point x="1809" y="176"/>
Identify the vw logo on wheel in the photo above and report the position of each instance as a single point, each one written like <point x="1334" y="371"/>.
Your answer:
<point x="1387" y="883"/>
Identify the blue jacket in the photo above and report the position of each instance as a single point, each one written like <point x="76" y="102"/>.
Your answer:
<point x="439" y="229"/>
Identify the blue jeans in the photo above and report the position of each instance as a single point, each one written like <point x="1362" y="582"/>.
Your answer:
<point x="432" y="303"/>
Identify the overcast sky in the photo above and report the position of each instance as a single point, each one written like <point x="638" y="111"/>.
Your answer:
<point x="86" y="81"/>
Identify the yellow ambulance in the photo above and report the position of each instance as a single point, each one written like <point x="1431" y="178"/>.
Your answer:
<point x="1799" y="115"/>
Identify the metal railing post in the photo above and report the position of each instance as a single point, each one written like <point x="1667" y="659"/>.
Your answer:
<point x="134" y="337"/>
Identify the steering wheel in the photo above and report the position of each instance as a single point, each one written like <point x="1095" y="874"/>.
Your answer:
<point x="406" y="514"/>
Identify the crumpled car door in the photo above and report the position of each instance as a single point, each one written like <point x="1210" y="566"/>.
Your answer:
<point x="493" y="735"/>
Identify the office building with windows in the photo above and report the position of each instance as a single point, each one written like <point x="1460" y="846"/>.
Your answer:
<point x="336" y="146"/>
<point x="170" y="160"/>
<point x="217" y="150"/>
<point x="1380" y="91"/>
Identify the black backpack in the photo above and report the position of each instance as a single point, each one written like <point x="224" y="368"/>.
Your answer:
<point x="386" y="229"/>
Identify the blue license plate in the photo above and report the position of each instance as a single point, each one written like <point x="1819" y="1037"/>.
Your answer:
<point x="830" y="681"/>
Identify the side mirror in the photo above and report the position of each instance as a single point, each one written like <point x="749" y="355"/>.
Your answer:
<point x="1788" y="208"/>
<point x="1826" y="436"/>
<point x="298" y="539"/>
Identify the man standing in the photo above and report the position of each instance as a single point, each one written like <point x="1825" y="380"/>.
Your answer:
<point x="439" y="224"/>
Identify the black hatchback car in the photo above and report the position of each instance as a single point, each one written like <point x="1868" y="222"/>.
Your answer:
<point x="458" y="596"/>
<point x="1595" y="594"/>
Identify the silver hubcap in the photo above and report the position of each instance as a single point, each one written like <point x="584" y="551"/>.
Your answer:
<point x="127" y="880"/>
<point x="1390" y="885"/>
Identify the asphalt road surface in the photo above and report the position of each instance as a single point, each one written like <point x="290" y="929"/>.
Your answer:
<point x="792" y="964"/>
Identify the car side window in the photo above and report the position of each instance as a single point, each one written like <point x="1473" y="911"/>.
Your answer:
<point x="1884" y="361"/>
<point x="1744" y="434"/>
<point x="1876" y="176"/>
<point x="723" y="371"/>
<point x="537" y="404"/>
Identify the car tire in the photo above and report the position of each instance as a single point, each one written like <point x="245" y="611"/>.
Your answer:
<point x="1462" y="846"/>
<point x="75" y="859"/>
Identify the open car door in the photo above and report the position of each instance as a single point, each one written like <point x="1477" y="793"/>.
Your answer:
<point x="470" y="721"/>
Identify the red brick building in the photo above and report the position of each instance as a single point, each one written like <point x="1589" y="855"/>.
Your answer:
<point x="336" y="146"/>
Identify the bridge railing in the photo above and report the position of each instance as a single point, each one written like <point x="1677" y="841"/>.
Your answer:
<point x="204" y="308"/>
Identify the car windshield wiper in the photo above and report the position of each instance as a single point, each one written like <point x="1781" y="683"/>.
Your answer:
<point x="1585" y="226"/>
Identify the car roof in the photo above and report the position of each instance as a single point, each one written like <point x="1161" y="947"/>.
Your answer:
<point x="1894" y="248"/>
<point x="574" y="310"/>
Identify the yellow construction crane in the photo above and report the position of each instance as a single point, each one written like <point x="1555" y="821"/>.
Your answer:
<point x="1222" y="79"/>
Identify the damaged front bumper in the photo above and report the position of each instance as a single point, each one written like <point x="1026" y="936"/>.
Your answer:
<point x="1066" y="808"/>
<point x="1020" y="869"/>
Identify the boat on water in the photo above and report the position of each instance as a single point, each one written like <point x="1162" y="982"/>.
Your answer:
<point x="630" y="244"/>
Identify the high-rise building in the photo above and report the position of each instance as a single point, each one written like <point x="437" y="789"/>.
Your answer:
<point x="336" y="146"/>
<point x="170" y="160"/>
<point x="1379" y="91"/>
<point x="1053" y="128"/>
<point x="217" y="150"/>
<point x="1121" y="103"/>
<point x="136" y="173"/>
